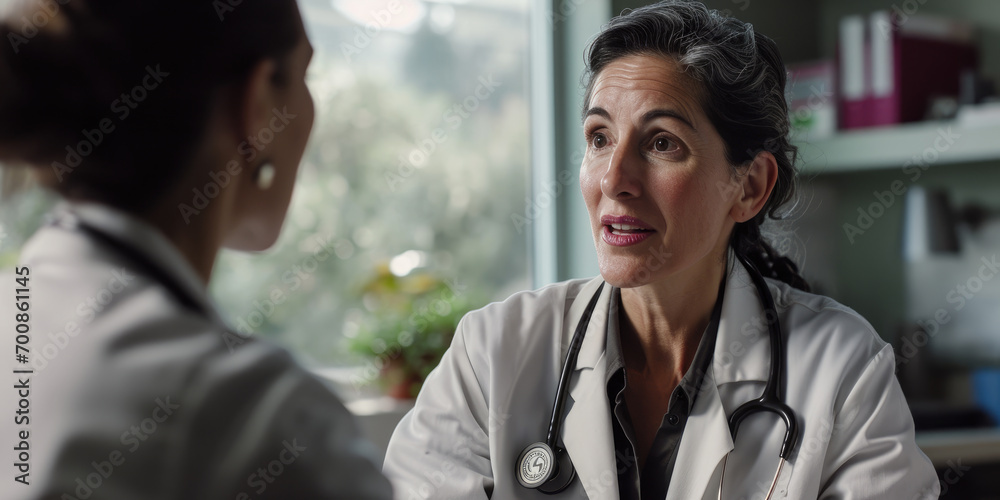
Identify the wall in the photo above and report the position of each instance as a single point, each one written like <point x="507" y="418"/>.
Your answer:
<point x="791" y="24"/>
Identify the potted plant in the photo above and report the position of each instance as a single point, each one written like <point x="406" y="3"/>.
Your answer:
<point x="410" y="323"/>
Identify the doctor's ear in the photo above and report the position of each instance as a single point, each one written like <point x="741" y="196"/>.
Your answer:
<point x="756" y="181"/>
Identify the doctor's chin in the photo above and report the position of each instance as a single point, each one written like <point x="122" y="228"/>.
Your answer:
<point x="414" y="250"/>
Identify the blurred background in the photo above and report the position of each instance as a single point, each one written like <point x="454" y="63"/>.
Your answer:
<point x="442" y="174"/>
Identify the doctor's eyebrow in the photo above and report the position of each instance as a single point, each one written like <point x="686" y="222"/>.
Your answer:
<point x="646" y="118"/>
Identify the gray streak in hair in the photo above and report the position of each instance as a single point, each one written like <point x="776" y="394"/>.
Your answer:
<point x="742" y="80"/>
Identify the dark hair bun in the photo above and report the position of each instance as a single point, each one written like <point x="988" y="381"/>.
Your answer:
<point x="109" y="98"/>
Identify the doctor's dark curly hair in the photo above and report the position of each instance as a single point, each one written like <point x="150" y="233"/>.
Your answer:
<point x="743" y="82"/>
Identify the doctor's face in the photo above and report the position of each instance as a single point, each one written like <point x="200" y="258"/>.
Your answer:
<point x="655" y="177"/>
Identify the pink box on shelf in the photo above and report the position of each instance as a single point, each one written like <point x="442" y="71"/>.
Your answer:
<point x="812" y="99"/>
<point x="891" y="65"/>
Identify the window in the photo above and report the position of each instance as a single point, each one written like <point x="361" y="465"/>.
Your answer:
<point x="418" y="160"/>
<point x="419" y="157"/>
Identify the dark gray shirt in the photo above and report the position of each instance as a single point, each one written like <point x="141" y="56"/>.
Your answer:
<point x="653" y="480"/>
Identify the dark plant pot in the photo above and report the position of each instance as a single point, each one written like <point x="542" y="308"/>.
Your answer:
<point x="399" y="380"/>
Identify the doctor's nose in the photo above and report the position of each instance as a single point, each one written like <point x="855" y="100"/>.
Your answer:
<point x="619" y="181"/>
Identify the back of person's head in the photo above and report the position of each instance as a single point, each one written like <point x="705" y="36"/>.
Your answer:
<point x="109" y="99"/>
<point x="742" y="79"/>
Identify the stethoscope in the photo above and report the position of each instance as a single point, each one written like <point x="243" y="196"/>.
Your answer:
<point x="546" y="466"/>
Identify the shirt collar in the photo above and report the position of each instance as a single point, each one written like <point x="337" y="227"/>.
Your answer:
<point x="613" y="349"/>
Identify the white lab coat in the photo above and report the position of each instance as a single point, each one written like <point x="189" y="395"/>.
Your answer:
<point x="492" y="395"/>
<point x="134" y="396"/>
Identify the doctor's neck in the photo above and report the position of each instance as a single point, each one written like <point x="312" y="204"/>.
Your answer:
<point x="667" y="318"/>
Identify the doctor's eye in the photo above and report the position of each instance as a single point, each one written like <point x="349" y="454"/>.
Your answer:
<point x="665" y="144"/>
<point x="598" y="140"/>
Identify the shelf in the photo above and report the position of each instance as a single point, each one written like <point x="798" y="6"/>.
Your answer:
<point x="944" y="142"/>
<point x="969" y="446"/>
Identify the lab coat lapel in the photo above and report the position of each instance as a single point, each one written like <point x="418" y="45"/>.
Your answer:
<point x="588" y="438"/>
<point x="705" y="442"/>
<point x="587" y="426"/>
<point x="741" y="355"/>
<point x="742" y="350"/>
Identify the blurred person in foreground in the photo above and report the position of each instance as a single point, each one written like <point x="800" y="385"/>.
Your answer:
<point x="171" y="129"/>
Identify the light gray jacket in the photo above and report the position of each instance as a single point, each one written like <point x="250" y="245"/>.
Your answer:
<point x="135" y="396"/>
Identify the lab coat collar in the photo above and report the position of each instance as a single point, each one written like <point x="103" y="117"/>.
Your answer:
<point x="595" y="338"/>
<point x="147" y="240"/>
<point x="742" y="349"/>
<point x="742" y="352"/>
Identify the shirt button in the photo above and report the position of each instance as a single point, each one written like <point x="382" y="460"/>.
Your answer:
<point x="672" y="419"/>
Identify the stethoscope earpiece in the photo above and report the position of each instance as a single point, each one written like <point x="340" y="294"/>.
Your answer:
<point x="542" y="468"/>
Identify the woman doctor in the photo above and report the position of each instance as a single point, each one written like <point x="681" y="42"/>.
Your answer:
<point x="687" y="131"/>
<point x="138" y="389"/>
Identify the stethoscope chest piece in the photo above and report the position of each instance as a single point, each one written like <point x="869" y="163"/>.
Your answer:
<point x="542" y="468"/>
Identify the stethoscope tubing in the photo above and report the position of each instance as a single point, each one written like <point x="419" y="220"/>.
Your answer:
<point x="569" y="365"/>
<point x="769" y="401"/>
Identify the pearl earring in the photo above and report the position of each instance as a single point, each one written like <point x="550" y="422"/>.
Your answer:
<point x="265" y="176"/>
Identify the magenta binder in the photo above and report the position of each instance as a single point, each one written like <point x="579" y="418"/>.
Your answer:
<point x="912" y="60"/>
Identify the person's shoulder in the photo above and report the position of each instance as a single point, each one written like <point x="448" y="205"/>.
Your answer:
<point x="822" y="318"/>
<point x="529" y="307"/>
<point x="827" y="336"/>
<point x="527" y="323"/>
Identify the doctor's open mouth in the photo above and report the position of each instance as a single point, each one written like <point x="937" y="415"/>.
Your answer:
<point x="624" y="230"/>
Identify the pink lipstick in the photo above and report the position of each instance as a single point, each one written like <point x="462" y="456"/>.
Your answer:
<point x="624" y="230"/>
